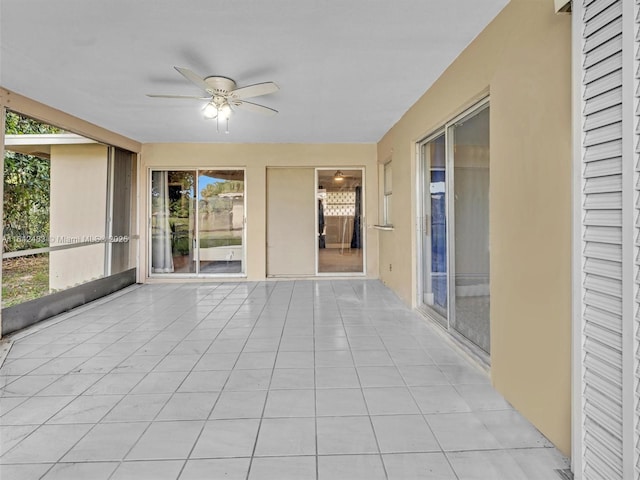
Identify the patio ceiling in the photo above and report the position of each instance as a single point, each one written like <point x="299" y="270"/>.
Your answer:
<point x="347" y="70"/>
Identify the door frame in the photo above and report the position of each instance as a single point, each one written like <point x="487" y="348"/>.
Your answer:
<point x="363" y="223"/>
<point x="445" y="323"/>
<point x="196" y="274"/>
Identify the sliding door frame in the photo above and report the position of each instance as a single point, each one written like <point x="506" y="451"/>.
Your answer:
<point x="448" y="322"/>
<point x="196" y="274"/>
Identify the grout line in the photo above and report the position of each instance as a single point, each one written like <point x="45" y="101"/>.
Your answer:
<point x="375" y="436"/>
<point x="275" y="361"/>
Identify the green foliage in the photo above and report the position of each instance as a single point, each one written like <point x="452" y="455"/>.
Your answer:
<point x="16" y="124"/>
<point x="229" y="186"/>
<point x="26" y="189"/>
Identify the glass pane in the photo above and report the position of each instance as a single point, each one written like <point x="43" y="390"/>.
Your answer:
<point x="221" y="220"/>
<point x="434" y="240"/>
<point x="340" y="242"/>
<point x="172" y="222"/>
<point x="471" y="179"/>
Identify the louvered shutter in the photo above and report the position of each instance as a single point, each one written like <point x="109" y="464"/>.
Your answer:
<point x="608" y="202"/>
<point x="602" y="239"/>
<point x="636" y="253"/>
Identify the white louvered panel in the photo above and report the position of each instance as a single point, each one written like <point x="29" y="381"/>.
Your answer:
<point x="602" y="452"/>
<point x="603" y="234"/>
<point x="609" y="133"/>
<point x="604" y="117"/>
<point x="611" y="97"/>
<point x="636" y="141"/>
<point x="606" y="151"/>
<point x="605" y="34"/>
<point x="603" y="201"/>
<point x="603" y="408"/>
<point x="603" y="218"/>
<point x="604" y="367"/>
<point x="603" y="251"/>
<point x="602" y="239"/>
<point x="608" y="183"/>
<point x="602" y="362"/>
<point x="605" y="67"/>
<point x="594" y="380"/>
<point x="601" y="168"/>
<point x="603" y="267"/>
<point x="603" y="51"/>
<point x="603" y="319"/>
<point x="601" y="16"/>
<point x="603" y="333"/>
<point x="602" y="284"/>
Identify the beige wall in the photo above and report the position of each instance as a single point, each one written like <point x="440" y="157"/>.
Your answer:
<point x="522" y="59"/>
<point x="255" y="158"/>
<point x="77" y="214"/>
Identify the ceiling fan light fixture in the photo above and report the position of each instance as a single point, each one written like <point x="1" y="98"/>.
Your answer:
<point x="338" y="176"/>
<point x="224" y="111"/>
<point x="210" y="111"/>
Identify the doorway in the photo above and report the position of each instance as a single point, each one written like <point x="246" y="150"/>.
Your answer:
<point x="197" y="222"/>
<point x="453" y="231"/>
<point x="340" y="209"/>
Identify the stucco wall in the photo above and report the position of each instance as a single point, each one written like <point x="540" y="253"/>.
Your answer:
<point x="522" y="60"/>
<point x="78" y="209"/>
<point x="256" y="158"/>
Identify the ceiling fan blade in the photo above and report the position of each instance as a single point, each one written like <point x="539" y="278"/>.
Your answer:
<point x="178" y="96"/>
<point x="254" y="107"/>
<point x="194" y="78"/>
<point x="254" y="90"/>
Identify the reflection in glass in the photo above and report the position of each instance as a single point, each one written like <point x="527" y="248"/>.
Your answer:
<point x="172" y="221"/>
<point x="471" y="180"/>
<point x="220" y="220"/>
<point x="340" y="242"/>
<point x="434" y="238"/>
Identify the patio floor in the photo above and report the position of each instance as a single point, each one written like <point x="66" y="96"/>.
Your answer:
<point x="270" y="380"/>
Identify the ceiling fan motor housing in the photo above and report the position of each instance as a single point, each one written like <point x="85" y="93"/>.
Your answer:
<point x="220" y="85"/>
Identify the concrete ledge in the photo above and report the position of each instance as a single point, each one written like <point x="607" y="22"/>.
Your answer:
<point x="21" y="316"/>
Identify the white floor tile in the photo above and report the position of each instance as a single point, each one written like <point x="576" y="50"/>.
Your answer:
<point x="338" y="435"/>
<point x="148" y="470"/>
<point x="290" y="403"/>
<point x="283" y="468"/>
<point x="227" y="438"/>
<point x="286" y="436"/>
<point x="340" y="402"/>
<point x="166" y="440"/>
<point x="404" y="433"/>
<point x="81" y="471"/>
<point x="106" y="442"/>
<point x="461" y="431"/>
<point x="418" y="466"/>
<point x="233" y="404"/>
<point x="223" y="468"/>
<point x="351" y="467"/>
<point x="439" y="399"/>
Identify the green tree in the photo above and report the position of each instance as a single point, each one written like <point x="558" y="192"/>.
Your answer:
<point x="26" y="189"/>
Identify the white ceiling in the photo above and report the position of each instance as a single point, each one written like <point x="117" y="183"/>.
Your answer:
<point x="347" y="70"/>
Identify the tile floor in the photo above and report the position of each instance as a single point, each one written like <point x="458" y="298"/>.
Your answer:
<point x="271" y="380"/>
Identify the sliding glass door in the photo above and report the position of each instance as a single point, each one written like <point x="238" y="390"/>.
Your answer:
<point x="433" y="238"/>
<point x="453" y="227"/>
<point x="470" y="140"/>
<point x="197" y="222"/>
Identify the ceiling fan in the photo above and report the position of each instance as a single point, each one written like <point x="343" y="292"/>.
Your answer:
<point x="223" y="95"/>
